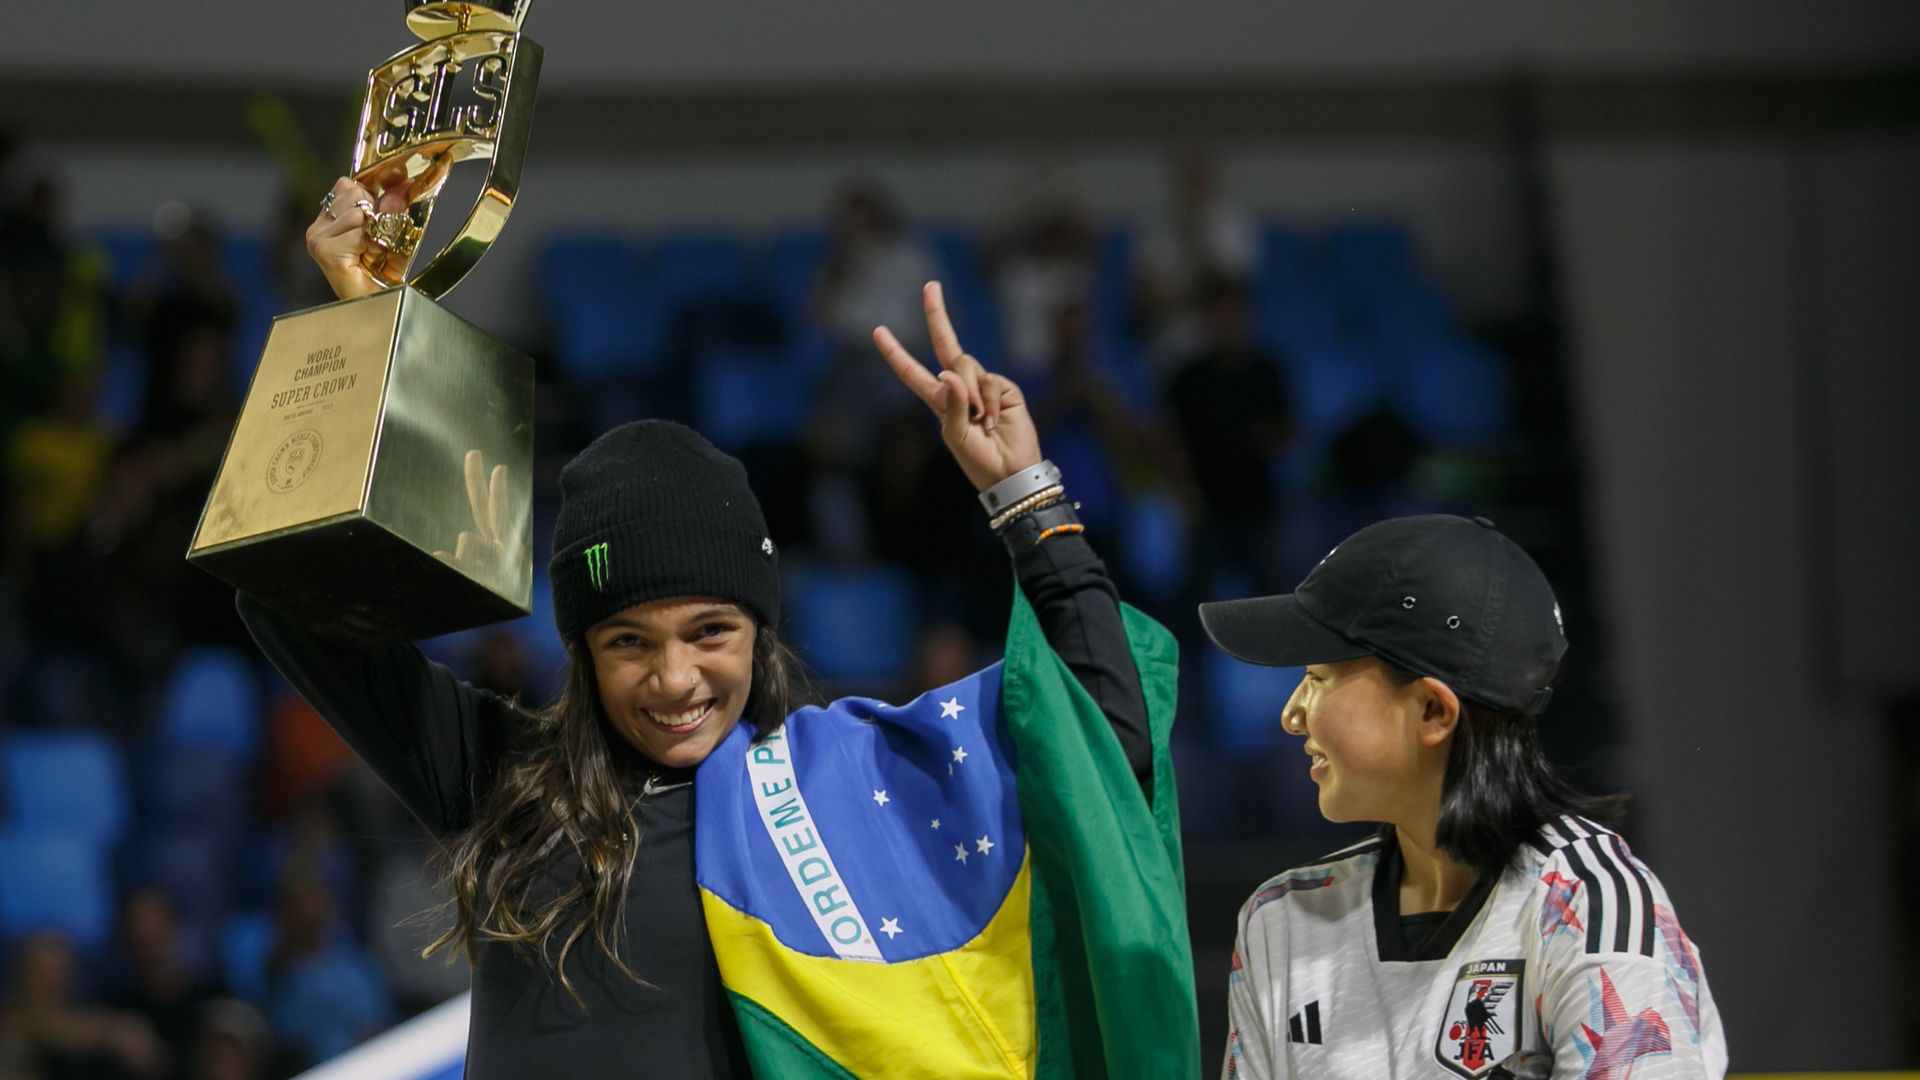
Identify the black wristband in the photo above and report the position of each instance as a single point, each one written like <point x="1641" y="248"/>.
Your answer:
<point x="1031" y="528"/>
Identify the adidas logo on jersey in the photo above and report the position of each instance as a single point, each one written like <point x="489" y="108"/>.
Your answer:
<point x="1304" y="1026"/>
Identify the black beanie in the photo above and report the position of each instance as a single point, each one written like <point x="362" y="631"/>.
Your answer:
<point x="651" y="510"/>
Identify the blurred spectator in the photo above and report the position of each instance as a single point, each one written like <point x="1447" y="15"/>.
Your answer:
<point x="406" y="912"/>
<point x="324" y="993"/>
<point x="871" y="277"/>
<point x="1202" y="237"/>
<point x="873" y="271"/>
<point x="1234" y="414"/>
<point x="159" y="479"/>
<point x="52" y="311"/>
<point x="161" y="985"/>
<point x="231" y="1042"/>
<point x="500" y="663"/>
<point x="1043" y="262"/>
<point x="947" y="652"/>
<point x="54" y="465"/>
<point x="1093" y="431"/>
<point x="59" y="1036"/>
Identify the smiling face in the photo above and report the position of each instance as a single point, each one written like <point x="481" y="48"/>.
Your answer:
<point x="674" y="674"/>
<point x="1374" y="746"/>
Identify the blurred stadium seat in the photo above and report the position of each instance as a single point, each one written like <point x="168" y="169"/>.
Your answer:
<point x="69" y="782"/>
<point x="606" y="322"/>
<point x="856" y="624"/>
<point x="1453" y="392"/>
<point x="55" y="881"/>
<point x="1155" y="545"/>
<point x="793" y="260"/>
<point x="1245" y="700"/>
<point x="1368" y="254"/>
<point x="748" y="396"/>
<point x="694" y="265"/>
<point x="213" y="701"/>
<point x="246" y="940"/>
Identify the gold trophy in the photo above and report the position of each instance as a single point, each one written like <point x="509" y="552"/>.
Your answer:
<point x="379" y="477"/>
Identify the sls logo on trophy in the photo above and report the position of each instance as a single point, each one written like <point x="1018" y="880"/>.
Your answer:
<point x="464" y="93"/>
<point x="417" y="518"/>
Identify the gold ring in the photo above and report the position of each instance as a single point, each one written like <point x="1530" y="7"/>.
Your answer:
<point x="394" y="232"/>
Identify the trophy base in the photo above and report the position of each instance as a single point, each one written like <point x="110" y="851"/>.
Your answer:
<point x="355" y="577"/>
<point x="378" y="480"/>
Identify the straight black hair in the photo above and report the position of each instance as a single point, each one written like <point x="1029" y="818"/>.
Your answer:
<point x="1500" y="788"/>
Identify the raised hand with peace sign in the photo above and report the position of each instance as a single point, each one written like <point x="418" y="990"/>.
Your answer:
<point x="983" y="416"/>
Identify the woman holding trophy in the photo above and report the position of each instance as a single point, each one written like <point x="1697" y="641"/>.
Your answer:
<point x="684" y="867"/>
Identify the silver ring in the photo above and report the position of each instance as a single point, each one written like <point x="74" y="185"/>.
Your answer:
<point x="326" y="205"/>
<point x="365" y="205"/>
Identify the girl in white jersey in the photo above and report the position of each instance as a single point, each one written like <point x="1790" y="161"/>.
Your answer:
<point x="1492" y="928"/>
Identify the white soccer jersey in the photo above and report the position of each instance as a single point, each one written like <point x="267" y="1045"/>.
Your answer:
<point x="1571" y="964"/>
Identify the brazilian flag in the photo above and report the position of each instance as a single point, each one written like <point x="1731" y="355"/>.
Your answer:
<point x="971" y="885"/>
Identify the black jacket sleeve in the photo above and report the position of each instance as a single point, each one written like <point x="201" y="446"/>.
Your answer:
<point x="434" y="739"/>
<point x="1079" y="611"/>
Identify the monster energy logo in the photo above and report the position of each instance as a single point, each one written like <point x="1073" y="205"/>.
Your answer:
<point x="597" y="566"/>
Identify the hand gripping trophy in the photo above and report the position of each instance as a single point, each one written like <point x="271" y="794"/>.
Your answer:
<point x="378" y="479"/>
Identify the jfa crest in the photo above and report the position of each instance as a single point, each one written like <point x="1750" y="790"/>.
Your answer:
<point x="1481" y="1027"/>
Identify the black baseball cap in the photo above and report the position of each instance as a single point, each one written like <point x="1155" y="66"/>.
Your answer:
<point x="1436" y="595"/>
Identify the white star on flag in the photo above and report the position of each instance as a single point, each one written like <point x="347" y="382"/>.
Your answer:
<point x="951" y="708"/>
<point x="936" y="823"/>
<point x="960" y="853"/>
<point x="960" y="754"/>
<point x="880" y="798"/>
<point x="891" y="928"/>
<point x="985" y="845"/>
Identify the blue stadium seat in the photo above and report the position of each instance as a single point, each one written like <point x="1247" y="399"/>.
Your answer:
<point x="794" y="258"/>
<point x="692" y="265"/>
<point x="748" y="396"/>
<point x="246" y="941"/>
<point x="71" y="782"/>
<point x="1283" y="257"/>
<point x="1367" y="254"/>
<point x="123" y="387"/>
<point x="855" y="624"/>
<point x="1245" y="700"/>
<point x="127" y="251"/>
<point x="1454" y="392"/>
<point x="195" y="785"/>
<point x="245" y="257"/>
<point x="55" y="881"/>
<point x="1406" y="311"/>
<point x="1334" y="383"/>
<point x="193" y="867"/>
<point x="1155" y="547"/>
<point x="962" y="261"/>
<point x="213" y="701"/>
<point x="606" y="321"/>
<point x="1295" y="315"/>
<point x="1113" y="282"/>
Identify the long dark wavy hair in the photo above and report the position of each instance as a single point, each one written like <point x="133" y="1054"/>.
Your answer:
<point x="1500" y="787"/>
<point x="563" y="788"/>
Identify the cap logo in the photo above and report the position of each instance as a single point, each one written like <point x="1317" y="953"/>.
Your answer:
<point x="596" y="557"/>
<point x="766" y="545"/>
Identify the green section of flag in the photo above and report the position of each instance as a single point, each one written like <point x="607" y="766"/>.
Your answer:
<point x="779" y="1051"/>
<point x="1112" y="966"/>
